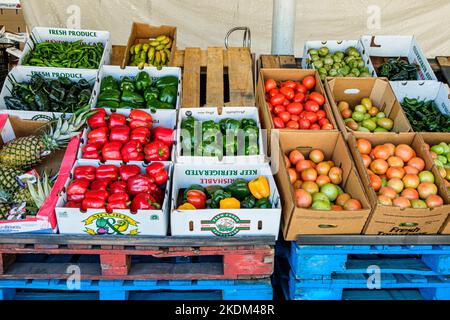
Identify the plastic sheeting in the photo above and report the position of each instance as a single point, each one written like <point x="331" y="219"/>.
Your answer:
<point x="203" y="23"/>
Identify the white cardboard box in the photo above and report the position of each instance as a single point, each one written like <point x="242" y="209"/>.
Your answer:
<point x="145" y="222"/>
<point x="205" y="114"/>
<point x="424" y="90"/>
<point x="223" y="223"/>
<point x="41" y="34"/>
<point x="337" y="45"/>
<point x="24" y="73"/>
<point x="399" y="46"/>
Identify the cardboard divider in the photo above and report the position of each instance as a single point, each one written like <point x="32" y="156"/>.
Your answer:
<point x="142" y="32"/>
<point x="297" y="221"/>
<point x="390" y="220"/>
<point x="353" y="90"/>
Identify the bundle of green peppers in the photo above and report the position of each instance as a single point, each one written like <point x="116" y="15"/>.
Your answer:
<point x="229" y="137"/>
<point x="49" y="95"/>
<point x="139" y="93"/>
<point x="77" y="55"/>
<point x="397" y="69"/>
<point x="424" y="116"/>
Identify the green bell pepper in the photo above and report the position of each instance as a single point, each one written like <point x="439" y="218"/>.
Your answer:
<point x="151" y="94"/>
<point x="229" y="124"/>
<point x="127" y="84"/>
<point x="108" y="104"/>
<point x="263" y="204"/>
<point x="218" y="196"/>
<point x="168" y="81"/>
<point x="248" y="203"/>
<point x="251" y="149"/>
<point x="248" y="123"/>
<point x="210" y="190"/>
<point x="210" y="125"/>
<point x="189" y="123"/>
<point x="208" y="149"/>
<point x="133" y="98"/>
<point x="168" y="95"/>
<point x="239" y="189"/>
<point x="143" y="81"/>
<point x="109" y="95"/>
<point x="109" y="83"/>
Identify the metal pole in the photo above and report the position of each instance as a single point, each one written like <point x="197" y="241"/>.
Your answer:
<point x="283" y="27"/>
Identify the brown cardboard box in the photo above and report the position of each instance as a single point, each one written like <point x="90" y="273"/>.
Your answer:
<point x="284" y="75"/>
<point x="306" y="221"/>
<point x="392" y="220"/>
<point x="434" y="138"/>
<point x="13" y="20"/>
<point x="142" y="32"/>
<point x="353" y="90"/>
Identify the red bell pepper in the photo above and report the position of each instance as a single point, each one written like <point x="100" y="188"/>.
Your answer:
<point x="141" y="135"/>
<point x="78" y="187"/>
<point x="98" y="136"/>
<point x="134" y="124"/>
<point x="128" y="171"/>
<point x="120" y="134"/>
<point x="107" y="172"/>
<point x="100" y="194"/>
<point x="139" y="184"/>
<point x="117" y="205"/>
<point x="157" y="193"/>
<point x="112" y="151"/>
<point x="140" y="115"/>
<point x="91" y="152"/>
<point x="197" y="198"/>
<point x="165" y="135"/>
<point x="158" y="172"/>
<point x="119" y="197"/>
<point x="132" y="151"/>
<point x="85" y="172"/>
<point x="71" y="204"/>
<point x="157" y="151"/>
<point x="144" y="201"/>
<point x="118" y="187"/>
<point x="117" y="120"/>
<point x="101" y="185"/>
<point x="92" y="203"/>
<point x="77" y="198"/>
<point x="98" y="120"/>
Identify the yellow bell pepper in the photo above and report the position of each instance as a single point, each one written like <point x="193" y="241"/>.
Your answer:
<point x="230" y="203"/>
<point x="187" y="206"/>
<point x="260" y="188"/>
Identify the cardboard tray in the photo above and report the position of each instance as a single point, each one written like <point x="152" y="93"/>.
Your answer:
<point x="353" y="90"/>
<point x="392" y="220"/>
<point x="297" y="221"/>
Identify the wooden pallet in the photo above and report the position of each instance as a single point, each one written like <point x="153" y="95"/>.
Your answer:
<point x="216" y="77"/>
<point x="130" y="261"/>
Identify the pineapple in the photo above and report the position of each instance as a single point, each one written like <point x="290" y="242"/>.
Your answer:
<point x="9" y="179"/>
<point x="5" y="208"/>
<point x="34" y="194"/>
<point x="26" y="152"/>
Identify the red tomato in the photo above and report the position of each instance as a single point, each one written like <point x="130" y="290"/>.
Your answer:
<point x="295" y="108"/>
<point x="328" y="126"/>
<point x="274" y="92"/>
<point x="270" y="84"/>
<point x="312" y="117"/>
<point x="300" y="88"/>
<point x="289" y="84"/>
<point x="286" y="102"/>
<point x="304" y="124"/>
<point x="299" y="98"/>
<point x="317" y="97"/>
<point x="309" y="82"/>
<point x="312" y="106"/>
<point x="315" y="126"/>
<point x="285" y="116"/>
<point x="321" y="114"/>
<point x="293" y="125"/>
<point x="295" y="117"/>
<point x="278" y="123"/>
<point x="288" y="93"/>
<point x="278" y="109"/>
<point x="277" y="99"/>
<point x="323" y="122"/>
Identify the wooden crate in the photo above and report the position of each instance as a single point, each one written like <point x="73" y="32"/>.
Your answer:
<point x="275" y="62"/>
<point x="216" y="77"/>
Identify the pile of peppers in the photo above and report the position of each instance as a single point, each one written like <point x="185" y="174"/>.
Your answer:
<point x="425" y="116"/>
<point x="76" y="54"/>
<point x="397" y="69"/>
<point x="229" y="137"/>
<point x="49" y="95"/>
<point x="241" y="194"/>
<point x="139" y="93"/>
<point x="110" y="188"/>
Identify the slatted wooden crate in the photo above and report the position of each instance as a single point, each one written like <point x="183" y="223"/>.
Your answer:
<point x="275" y="62"/>
<point x="216" y="77"/>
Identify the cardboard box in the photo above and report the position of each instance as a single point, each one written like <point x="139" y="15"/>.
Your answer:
<point x="392" y="220"/>
<point x="144" y="222"/>
<point x="59" y="162"/>
<point x="223" y="223"/>
<point x="336" y="45"/>
<point x="298" y="221"/>
<point x="24" y="73"/>
<point x="41" y="34"/>
<point x="142" y="32"/>
<point x="353" y="90"/>
<point x="424" y="90"/>
<point x="381" y="47"/>
<point x="13" y="19"/>
<point x="217" y="115"/>
<point x="284" y="75"/>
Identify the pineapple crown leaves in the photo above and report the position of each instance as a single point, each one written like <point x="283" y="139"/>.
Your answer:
<point x="40" y="190"/>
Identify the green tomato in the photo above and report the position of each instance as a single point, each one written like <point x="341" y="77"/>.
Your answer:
<point x="446" y="147"/>
<point x="315" y="57"/>
<point x="380" y="130"/>
<point x="386" y="123"/>
<point x="369" y="124"/>
<point x="313" y="52"/>
<point x="381" y="115"/>
<point x="426" y="176"/>
<point x="332" y="73"/>
<point x="438" y="149"/>
<point x="358" y="116"/>
<point x="321" y="206"/>
<point x="362" y="129"/>
<point x="324" y="51"/>
<point x="360" y="108"/>
<point x="319" y="196"/>
<point x="318" y="64"/>
<point x="366" y="102"/>
<point x="442" y="159"/>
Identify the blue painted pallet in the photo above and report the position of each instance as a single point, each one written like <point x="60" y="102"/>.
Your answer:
<point x="321" y="262"/>
<point x="136" y="290"/>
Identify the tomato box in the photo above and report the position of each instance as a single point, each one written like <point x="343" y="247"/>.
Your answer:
<point x="223" y="222"/>
<point x="378" y="90"/>
<point x="22" y="74"/>
<point x="12" y="17"/>
<point x="299" y="221"/>
<point x="202" y="115"/>
<point x="120" y="222"/>
<point x="381" y="47"/>
<point x="391" y="220"/>
<point x="60" y="162"/>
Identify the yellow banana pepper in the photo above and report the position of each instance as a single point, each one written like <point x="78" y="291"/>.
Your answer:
<point x="260" y="188"/>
